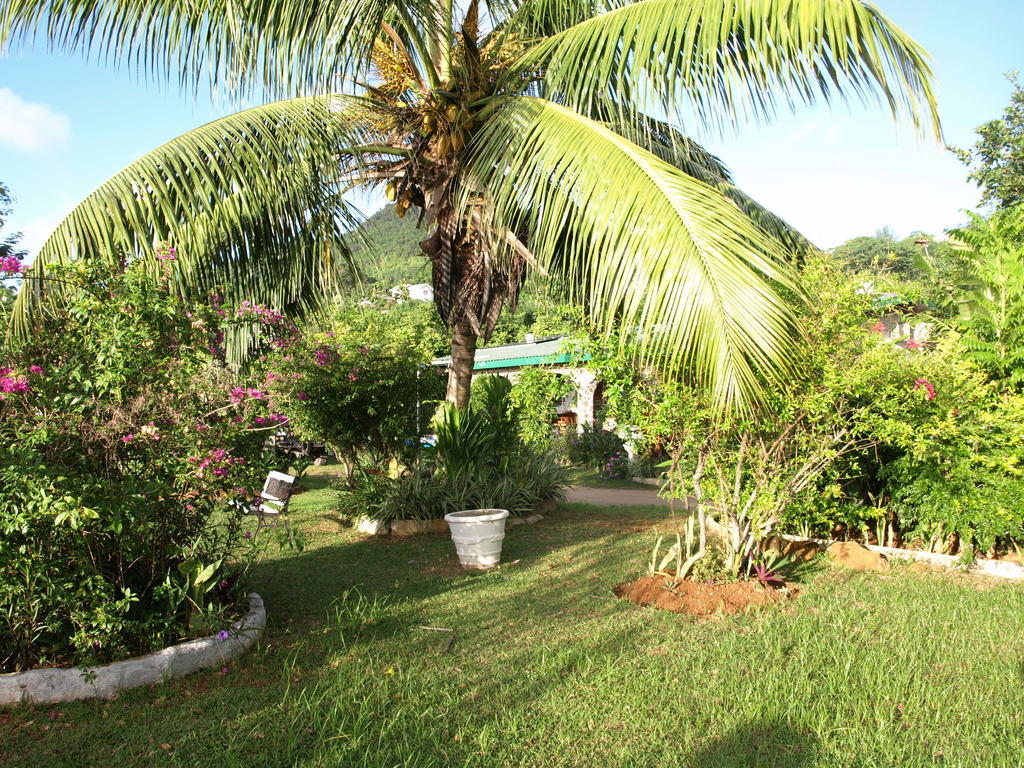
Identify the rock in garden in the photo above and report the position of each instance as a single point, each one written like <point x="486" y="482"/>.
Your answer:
<point x="798" y="550"/>
<point x="372" y="527"/>
<point x="856" y="556"/>
<point x="409" y="527"/>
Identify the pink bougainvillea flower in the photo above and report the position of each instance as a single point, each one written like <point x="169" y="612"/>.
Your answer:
<point x="13" y="384"/>
<point x="11" y="265"/>
<point x="324" y="354"/>
<point x="35" y="369"/>
<point x="927" y="386"/>
<point x="912" y="344"/>
<point x="128" y="438"/>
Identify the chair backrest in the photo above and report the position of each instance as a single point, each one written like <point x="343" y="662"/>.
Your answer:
<point x="278" y="486"/>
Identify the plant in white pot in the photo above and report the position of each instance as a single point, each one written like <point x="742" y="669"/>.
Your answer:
<point x="478" y="535"/>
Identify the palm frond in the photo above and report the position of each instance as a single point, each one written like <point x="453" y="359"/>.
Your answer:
<point x="671" y="145"/>
<point x="645" y="245"/>
<point x="723" y="62"/>
<point x="280" y="47"/>
<point x="536" y="19"/>
<point x="248" y="201"/>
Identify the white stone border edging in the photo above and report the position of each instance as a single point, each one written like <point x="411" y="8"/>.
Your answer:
<point x="1003" y="569"/>
<point x="47" y="686"/>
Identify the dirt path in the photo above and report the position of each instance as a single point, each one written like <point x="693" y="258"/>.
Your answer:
<point x="616" y="497"/>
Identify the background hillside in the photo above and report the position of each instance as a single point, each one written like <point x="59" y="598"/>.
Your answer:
<point x="395" y="257"/>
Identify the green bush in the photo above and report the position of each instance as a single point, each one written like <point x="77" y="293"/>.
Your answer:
<point x="357" y="383"/>
<point x="527" y="480"/>
<point x="589" y="446"/>
<point x="122" y="445"/>
<point x="478" y="461"/>
<point x="535" y="395"/>
<point x="948" y="445"/>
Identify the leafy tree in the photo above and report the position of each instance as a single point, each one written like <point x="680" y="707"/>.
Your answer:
<point x="8" y="243"/>
<point x="878" y="253"/>
<point x="356" y="384"/>
<point x="997" y="158"/>
<point x="987" y="291"/>
<point x="526" y="142"/>
<point x="883" y="254"/>
<point x="8" y="250"/>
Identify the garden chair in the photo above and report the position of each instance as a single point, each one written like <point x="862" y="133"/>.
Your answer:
<point x="273" y="503"/>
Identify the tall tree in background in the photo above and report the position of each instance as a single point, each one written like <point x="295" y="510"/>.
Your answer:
<point x="9" y="243"/>
<point x="997" y="158"/>
<point x="884" y="255"/>
<point x="985" y="290"/>
<point x="523" y="133"/>
<point x="9" y="248"/>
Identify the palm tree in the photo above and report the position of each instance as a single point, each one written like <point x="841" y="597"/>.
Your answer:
<point x="543" y="135"/>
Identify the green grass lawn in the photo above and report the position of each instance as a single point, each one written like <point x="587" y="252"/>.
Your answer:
<point x="546" y="670"/>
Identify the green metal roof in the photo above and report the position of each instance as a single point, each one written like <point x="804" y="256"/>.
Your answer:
<point x="547" y="350"/>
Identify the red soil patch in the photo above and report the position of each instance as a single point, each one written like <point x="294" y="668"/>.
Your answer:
<point x="700" y="599"/>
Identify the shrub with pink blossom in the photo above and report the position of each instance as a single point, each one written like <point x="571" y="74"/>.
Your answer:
<point x="356" y="385"/>
<point x="123" y="446"/>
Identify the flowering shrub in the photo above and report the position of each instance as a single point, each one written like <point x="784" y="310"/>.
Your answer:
<point x="907" y="443"/>
<point x="616" y="467"/>
<point x="949" y="448"/>
<point x="355" y="385"/>
<point x="121" y="451"/>
<point x="10" y="266"/>
<point x="590" y="447"/>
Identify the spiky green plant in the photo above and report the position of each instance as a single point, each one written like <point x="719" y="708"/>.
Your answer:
<point x="545" y="135"/>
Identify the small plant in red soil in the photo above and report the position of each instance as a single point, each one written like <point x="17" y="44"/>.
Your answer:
<point x="769" y="578"/>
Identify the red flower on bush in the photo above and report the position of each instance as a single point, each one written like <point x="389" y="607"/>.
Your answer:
<point x="927" y="386"/>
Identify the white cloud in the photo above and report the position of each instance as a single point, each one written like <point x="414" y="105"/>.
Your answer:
<point x="35" y="230"/>
<point x="30" y="127"/>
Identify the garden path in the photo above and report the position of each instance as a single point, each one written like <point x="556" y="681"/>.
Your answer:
<point x="615" y="497"/>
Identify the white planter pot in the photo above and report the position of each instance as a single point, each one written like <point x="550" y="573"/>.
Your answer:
<point x="478" y="534"/>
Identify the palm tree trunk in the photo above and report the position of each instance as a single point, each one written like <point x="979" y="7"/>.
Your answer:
<point x="460" y="372"/>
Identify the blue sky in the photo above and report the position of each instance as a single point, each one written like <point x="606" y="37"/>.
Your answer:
<point x="67" y="124"/>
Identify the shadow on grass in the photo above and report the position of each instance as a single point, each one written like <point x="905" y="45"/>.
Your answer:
<point x="331" y="687"/>
<point x="759" y="744"/>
